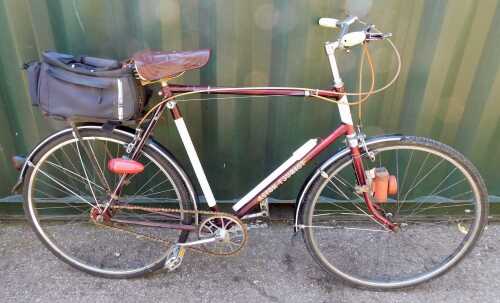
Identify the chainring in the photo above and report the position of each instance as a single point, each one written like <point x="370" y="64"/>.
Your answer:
<point x="231" y="233"/>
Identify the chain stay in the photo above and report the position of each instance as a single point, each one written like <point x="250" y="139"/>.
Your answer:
<point x="171" y="210"/>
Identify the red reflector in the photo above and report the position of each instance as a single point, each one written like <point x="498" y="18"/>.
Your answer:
<point x="18" y="162"/>
<point x="125" y="166"/>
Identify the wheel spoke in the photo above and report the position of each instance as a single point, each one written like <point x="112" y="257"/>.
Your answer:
<point x="95" y="163"/>
<point x="66" y="188"/>
<point x="422" y="179"/>
<point x="73" y="174"/>
<point x="86" y="175"/>
<point x="432" y="208"/>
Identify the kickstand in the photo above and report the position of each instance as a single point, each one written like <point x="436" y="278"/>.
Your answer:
<point x="295" y="237"/>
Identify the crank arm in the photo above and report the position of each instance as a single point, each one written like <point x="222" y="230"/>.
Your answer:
<point x="200" y="242"/>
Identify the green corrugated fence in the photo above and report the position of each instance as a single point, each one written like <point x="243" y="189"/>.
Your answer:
<point x="448" y="89"/>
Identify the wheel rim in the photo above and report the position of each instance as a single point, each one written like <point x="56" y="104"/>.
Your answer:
<point x="439" y="229"/>
<point x="63" y="188"/>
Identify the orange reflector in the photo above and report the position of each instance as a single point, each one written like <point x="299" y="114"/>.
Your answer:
<point x="125" y="166"/>
<point x="383" y="185"/>
<point x="393" y="186"/>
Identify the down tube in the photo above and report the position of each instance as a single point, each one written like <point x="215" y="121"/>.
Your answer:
<point x="292" y="169"/>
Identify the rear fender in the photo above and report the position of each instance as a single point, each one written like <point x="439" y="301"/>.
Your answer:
<point x="122" y="130"/>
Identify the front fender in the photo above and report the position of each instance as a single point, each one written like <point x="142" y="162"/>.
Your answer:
<point x="299" y="204"/>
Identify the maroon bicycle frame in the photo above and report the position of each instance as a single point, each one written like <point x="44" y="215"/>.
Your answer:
<point x="344" y="130"/>
<point x="300" y="157"/>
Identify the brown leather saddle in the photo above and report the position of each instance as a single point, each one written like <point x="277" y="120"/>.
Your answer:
<point x="157" y="65"/>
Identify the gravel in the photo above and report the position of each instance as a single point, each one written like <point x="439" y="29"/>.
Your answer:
<point x="272" y="268"/>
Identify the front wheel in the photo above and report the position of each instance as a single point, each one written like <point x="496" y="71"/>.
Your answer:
<point x="440" y="207"/>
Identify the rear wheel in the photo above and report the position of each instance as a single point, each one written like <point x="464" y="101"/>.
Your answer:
<point x="440" y="206"/>
<point x="69" y="182"/>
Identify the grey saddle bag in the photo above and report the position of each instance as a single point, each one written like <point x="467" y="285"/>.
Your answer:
<point x="71" y="87"/>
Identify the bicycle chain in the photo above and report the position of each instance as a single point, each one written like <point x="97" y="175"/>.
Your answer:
<point x="173" y="210"/>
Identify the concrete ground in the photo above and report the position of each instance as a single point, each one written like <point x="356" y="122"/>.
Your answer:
<point x="272" y="268"/>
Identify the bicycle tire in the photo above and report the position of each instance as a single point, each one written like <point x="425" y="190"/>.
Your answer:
<point x="465" y="166"/>
<point x="165" y="166"/>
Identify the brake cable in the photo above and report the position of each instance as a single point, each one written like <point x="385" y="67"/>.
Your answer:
<point x="314" y="92"/>
<point x="366" y="53"/>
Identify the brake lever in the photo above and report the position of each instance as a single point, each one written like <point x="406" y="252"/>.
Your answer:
<point x="368" y="28"/>
<point x="370" y="36"/>
<point x="377" y="36"/>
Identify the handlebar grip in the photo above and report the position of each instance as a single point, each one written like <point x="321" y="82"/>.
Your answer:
<point x="328" y="22"/>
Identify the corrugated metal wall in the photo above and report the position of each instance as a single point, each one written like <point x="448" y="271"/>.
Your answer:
<point x="448" y="89"/>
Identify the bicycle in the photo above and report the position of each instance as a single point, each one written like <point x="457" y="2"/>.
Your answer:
<point x="385" y="212"/>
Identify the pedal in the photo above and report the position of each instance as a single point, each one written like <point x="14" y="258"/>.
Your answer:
<point x="174" y="259"/>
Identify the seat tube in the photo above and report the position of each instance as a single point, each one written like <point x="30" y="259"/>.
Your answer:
<point x="191" y="152"/>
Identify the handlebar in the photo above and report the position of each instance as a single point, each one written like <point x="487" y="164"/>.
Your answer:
<point x="328" y="22"/>
<point x="335" y="23"/>
<point x="348" y="39"/>
<point x="351" y="39"/>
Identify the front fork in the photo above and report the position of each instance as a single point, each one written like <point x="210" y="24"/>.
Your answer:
<point x="357" y="162"/>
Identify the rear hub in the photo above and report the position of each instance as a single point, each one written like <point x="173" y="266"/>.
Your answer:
<point x="101" y="216"/>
